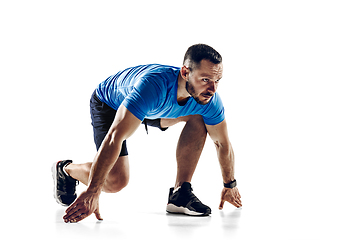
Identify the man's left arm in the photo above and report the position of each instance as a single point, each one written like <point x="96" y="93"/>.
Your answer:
<point x="219" y="135"/>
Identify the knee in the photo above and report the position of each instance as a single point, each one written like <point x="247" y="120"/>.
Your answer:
<point x="115" y="184"/>
<point x="198" y="122"/>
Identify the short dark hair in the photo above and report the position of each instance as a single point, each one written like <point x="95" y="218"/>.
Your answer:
<point x="198" y="52"/>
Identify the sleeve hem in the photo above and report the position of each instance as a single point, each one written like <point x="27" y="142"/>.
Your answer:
<point x="133" y="110"/>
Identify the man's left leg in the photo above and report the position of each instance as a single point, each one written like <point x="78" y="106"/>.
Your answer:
<point x="189" y="148"/>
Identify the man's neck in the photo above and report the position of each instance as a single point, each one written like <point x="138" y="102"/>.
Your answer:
<point x="182" y="94"/>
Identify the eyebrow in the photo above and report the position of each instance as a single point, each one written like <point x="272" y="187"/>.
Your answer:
<point x="208" y="76"/>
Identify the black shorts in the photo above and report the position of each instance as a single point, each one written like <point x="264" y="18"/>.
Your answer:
<point x="102" y="116"/>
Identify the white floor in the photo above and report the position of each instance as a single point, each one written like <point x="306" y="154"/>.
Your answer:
<point x="308" y="201"/>
<point x="140" y="214"/>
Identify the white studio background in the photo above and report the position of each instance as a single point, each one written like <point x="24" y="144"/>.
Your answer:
<point x="290" y="89"/>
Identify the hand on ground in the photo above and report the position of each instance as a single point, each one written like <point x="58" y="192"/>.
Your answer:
<point x="84" y="206"/>
<point x="232" y="196"/>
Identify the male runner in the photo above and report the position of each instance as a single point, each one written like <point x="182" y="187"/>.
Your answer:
<point x="159" y="96"/>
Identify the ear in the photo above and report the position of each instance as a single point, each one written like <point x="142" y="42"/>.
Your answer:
<point x="185" y="71"/>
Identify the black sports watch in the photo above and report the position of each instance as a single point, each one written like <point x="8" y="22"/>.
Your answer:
<point x="231" y="184"/>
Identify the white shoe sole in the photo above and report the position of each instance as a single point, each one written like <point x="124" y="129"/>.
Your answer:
<point x="171" y="208"/>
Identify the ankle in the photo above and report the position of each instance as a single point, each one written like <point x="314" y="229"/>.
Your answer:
<point x="67" y="170"/>
<point x="178" y="184"/>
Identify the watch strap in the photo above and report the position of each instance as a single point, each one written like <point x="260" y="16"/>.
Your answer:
<point x="231" y="184"/>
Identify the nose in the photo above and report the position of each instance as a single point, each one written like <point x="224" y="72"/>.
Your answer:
<point x="212" y="87"/>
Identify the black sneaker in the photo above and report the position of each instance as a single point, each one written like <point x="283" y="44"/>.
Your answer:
<point x="64" y="185"/>
<point x="182" y="200"/>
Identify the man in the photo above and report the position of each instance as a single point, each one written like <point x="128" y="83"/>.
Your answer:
<point x="159" y="96"/>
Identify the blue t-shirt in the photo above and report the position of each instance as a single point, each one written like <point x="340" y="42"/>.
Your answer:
<point x="150" y="91"/>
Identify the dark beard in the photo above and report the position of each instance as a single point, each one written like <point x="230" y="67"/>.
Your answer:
<point x="190" y="89"/>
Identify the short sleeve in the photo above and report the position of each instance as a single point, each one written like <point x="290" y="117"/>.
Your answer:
<point x="215" y="114"/>
<point x="145" y="96"/>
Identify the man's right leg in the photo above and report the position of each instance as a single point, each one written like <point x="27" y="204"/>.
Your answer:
<point x="117" y="179"/>
<point x="66" y="175"/>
